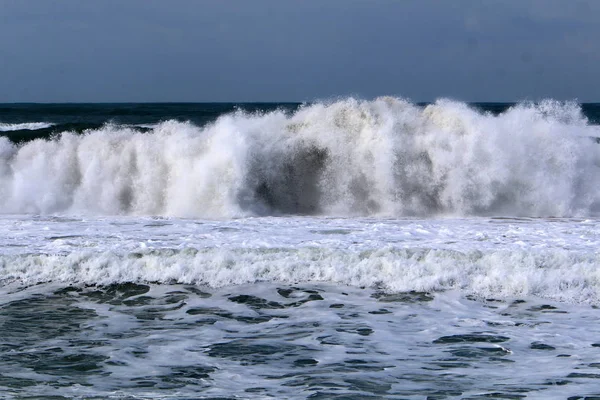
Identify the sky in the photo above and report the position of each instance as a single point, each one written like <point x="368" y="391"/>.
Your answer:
<point x="286" y="50"/>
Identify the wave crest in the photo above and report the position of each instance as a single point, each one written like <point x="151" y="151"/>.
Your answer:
<point x="557" y="274"/>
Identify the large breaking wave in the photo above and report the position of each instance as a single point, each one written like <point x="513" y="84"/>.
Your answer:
<point x="350" y="157"/>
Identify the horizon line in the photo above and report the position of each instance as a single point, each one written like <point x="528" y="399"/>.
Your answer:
<point x="275" y="102"/>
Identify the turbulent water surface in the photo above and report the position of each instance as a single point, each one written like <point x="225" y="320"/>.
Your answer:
<point x="352" y="249"/>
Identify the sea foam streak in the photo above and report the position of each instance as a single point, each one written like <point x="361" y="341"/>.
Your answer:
<point x="351" y="157"/>
<point x="30" y="126"/>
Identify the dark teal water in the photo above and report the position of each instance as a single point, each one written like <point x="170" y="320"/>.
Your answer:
<point x="80" y="117"/>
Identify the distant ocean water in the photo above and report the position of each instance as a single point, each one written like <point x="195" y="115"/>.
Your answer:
<point x="351" y="249"/>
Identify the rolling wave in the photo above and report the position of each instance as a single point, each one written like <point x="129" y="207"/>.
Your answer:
<point x="555" y="274"/>
<point x="346" y="158"/>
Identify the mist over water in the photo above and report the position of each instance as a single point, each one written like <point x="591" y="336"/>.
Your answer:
<point x="385" y="157"/>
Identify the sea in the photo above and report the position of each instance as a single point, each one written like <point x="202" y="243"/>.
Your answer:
<point x="342" y="249"/>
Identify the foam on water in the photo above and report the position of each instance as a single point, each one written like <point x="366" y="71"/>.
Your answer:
<point x="346" y="158"/>
<point x="31" y="126"/>
<point x="555" y="274"/>
<point x="301" y="341"/>
<point x="503" y="258"/>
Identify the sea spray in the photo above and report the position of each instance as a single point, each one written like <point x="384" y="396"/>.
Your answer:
<point x="384" y="157"/>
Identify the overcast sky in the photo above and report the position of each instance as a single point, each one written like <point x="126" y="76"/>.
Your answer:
<point x="298" y="50"/>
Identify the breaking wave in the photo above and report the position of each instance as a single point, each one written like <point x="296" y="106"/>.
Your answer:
<point x="346" y="158"/>
<point x="556" y="274"/>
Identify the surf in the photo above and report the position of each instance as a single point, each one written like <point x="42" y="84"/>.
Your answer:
<point x="385" y="157"/>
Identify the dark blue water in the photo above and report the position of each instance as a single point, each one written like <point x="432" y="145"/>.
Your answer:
<point x="75" y="117"/>
<point x="82" y="117"/>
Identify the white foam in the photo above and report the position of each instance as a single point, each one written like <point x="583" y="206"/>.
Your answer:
<point x="381" y="157"/>
<point x="146" y="126"/>
<point x="557" y="275"/>
<point x="31" y="126"/>
<point x="555" y="259"/>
